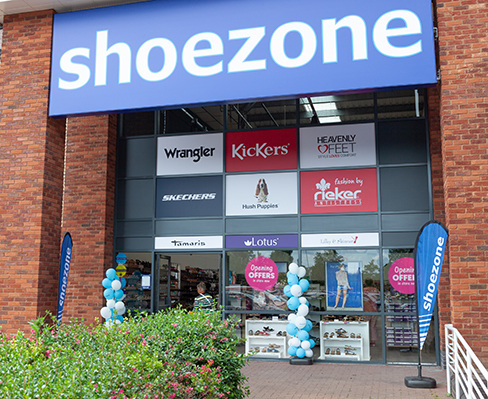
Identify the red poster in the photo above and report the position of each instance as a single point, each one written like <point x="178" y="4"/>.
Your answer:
<point x="261" y="150"/>
<point x="339" y="191"/>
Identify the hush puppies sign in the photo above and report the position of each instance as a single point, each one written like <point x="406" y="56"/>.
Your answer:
<point x="185" y="52"/>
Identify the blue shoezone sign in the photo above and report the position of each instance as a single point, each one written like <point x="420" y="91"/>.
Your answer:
<point x="65" y="263"/>
<point x="176" y="53"/>
<point x="430" y="249"/>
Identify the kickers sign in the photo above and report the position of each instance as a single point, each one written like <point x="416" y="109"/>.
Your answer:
<point x="261" y="150"/>
<point x="339" y="191"/>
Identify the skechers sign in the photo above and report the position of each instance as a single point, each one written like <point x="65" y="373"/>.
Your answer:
<point x="185" y="52"/>
<point x="189" y="196"/>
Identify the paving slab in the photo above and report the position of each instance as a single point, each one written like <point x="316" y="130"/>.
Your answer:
<point x="281" y="380"/>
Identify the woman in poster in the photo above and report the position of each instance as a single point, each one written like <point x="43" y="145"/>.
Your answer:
<point x="342" y="285"/>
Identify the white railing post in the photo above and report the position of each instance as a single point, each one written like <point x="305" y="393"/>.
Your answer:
<point x="464" y="366"/>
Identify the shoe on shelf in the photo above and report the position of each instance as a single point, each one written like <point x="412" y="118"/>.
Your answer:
<point x="250" y="332"/>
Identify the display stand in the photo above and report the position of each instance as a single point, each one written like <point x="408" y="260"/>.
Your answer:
<point x="360" y="345"/>
<point x="272" y="345"/>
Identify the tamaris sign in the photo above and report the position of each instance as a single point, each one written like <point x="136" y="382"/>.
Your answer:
<point x="186" y="52"/>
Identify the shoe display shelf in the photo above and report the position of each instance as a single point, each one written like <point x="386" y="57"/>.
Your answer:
<point x="360" y="345"/>
<point x="274" y="345"/>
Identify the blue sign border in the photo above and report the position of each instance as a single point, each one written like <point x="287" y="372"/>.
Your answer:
<point x="174" y="53"/>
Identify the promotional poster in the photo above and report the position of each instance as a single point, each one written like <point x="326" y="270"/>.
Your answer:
<point x="344" y="285"/>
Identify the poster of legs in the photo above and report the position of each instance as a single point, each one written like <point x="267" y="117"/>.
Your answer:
<point x="344" y="285"/>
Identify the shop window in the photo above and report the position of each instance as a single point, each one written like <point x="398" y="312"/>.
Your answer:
<point x="241" y="295"/>
<point x="400" y="104"/>
<point x="137" y="124"/>
<point x="261" y="115"/>
<point x="138" y="298"/>
<point x="335" y="109"/>
<point x="188" y="120"/>
<point x="329" y="272"/>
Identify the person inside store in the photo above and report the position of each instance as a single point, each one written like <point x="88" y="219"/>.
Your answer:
<point x="203" y="301"/>
<point x="371" y="298"/>
<point x="342" y="285"/>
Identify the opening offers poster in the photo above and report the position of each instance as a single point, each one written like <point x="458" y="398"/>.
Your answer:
<point x="344" y="278"/>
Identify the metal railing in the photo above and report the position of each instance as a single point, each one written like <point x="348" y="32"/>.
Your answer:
<point x="466" y="376"/>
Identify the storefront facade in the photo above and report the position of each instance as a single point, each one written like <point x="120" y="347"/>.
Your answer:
<point x="197" y="192"/>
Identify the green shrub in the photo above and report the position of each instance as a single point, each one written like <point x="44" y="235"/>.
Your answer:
<point x="173" y="354"/>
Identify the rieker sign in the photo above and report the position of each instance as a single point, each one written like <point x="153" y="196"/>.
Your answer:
<point x="235" y="51"/>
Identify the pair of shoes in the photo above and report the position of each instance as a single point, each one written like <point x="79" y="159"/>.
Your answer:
<point x="250" y="332"/>
<point x="280" y="334"/>
<point x="340" y="331"/>
<point x="326" y="335"/>
<point x="353" y="335"/>
<point x="274" y="346"/>
<point x="263" y="350"/>
<point x="327" y="351"/>
<point x="268" y="329"/>
<point x="340" y="335"/>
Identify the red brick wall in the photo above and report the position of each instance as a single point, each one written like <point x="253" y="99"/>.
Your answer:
<point x="89" y="210"/>
<point x="463" y="51"/>
<point x="31" y="172"/>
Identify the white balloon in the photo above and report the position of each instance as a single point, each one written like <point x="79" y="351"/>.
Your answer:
<point x="294" y="341"/>
<point x="301" y="271"/>
<point x="118" y="321"/>
<point x="106" y="312"/>
<point x="309" y="353"/>
<point x="111" y="303"/>
<point x="116" y="285"/>
<point x="292" y="317"/>
<point x="293" y="268"/>
<point x="303" y="300"/>
<point x="296" y="290"/>
<point x="305" y="345"/>
<point x="120" y="308"/>
<point x="300" y="322"/>
<point x="302" y="310"/>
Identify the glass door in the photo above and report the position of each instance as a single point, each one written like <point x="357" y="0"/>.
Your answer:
<point x="163" y="282"/>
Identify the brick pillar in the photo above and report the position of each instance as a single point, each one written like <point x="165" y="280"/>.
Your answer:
<point x="31" y="173"/>
<point x="464" y="133"/>
<point x="89" y="210"/>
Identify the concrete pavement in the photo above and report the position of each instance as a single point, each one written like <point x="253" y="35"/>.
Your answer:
<point x="280" y="380"/>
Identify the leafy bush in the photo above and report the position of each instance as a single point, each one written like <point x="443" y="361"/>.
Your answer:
<point x="173" y="354"/>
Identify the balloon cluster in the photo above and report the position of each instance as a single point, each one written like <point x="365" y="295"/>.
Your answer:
<point x="114" y="294"/>
<point x="300" y="345"/>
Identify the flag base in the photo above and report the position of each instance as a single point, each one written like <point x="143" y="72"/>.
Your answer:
<point x="420" y="382"/>
<point x="301" y="362"/>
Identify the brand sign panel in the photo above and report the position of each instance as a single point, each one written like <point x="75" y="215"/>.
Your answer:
<point x="262" y="241"/>
<point x="185" y="243"/>
<point x="340" y="240"/>
<point x="261" y="150"/>
<point x="189" y="196"/>
<point x="177" y="53"/>
<point x="336" y="146"/>
<point x="194" y="154"/>
<point x="339" y="191"/>
<point x="261" y="194"/>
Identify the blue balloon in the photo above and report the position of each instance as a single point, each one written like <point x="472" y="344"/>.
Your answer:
<point x="293" y="303"/>
<point x="107" y="283"/>
<point x="308" y="326"/>
<point x="292" y="350"/>
<point x="120" y="318"/>
<point x="312" y="343"/>
<point x="291" y="329"/>
<point x="111" y="274"/>
<point x="286" y="291"/>
<point x="293" y="279"/>
<point x="301" y="353"/>
<point x="123" y="281"/>
<point x="304" y="283"/>
<point x="108" y="293"/>
<point x="118" y="294"/>
<point x="303" y="335"/>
